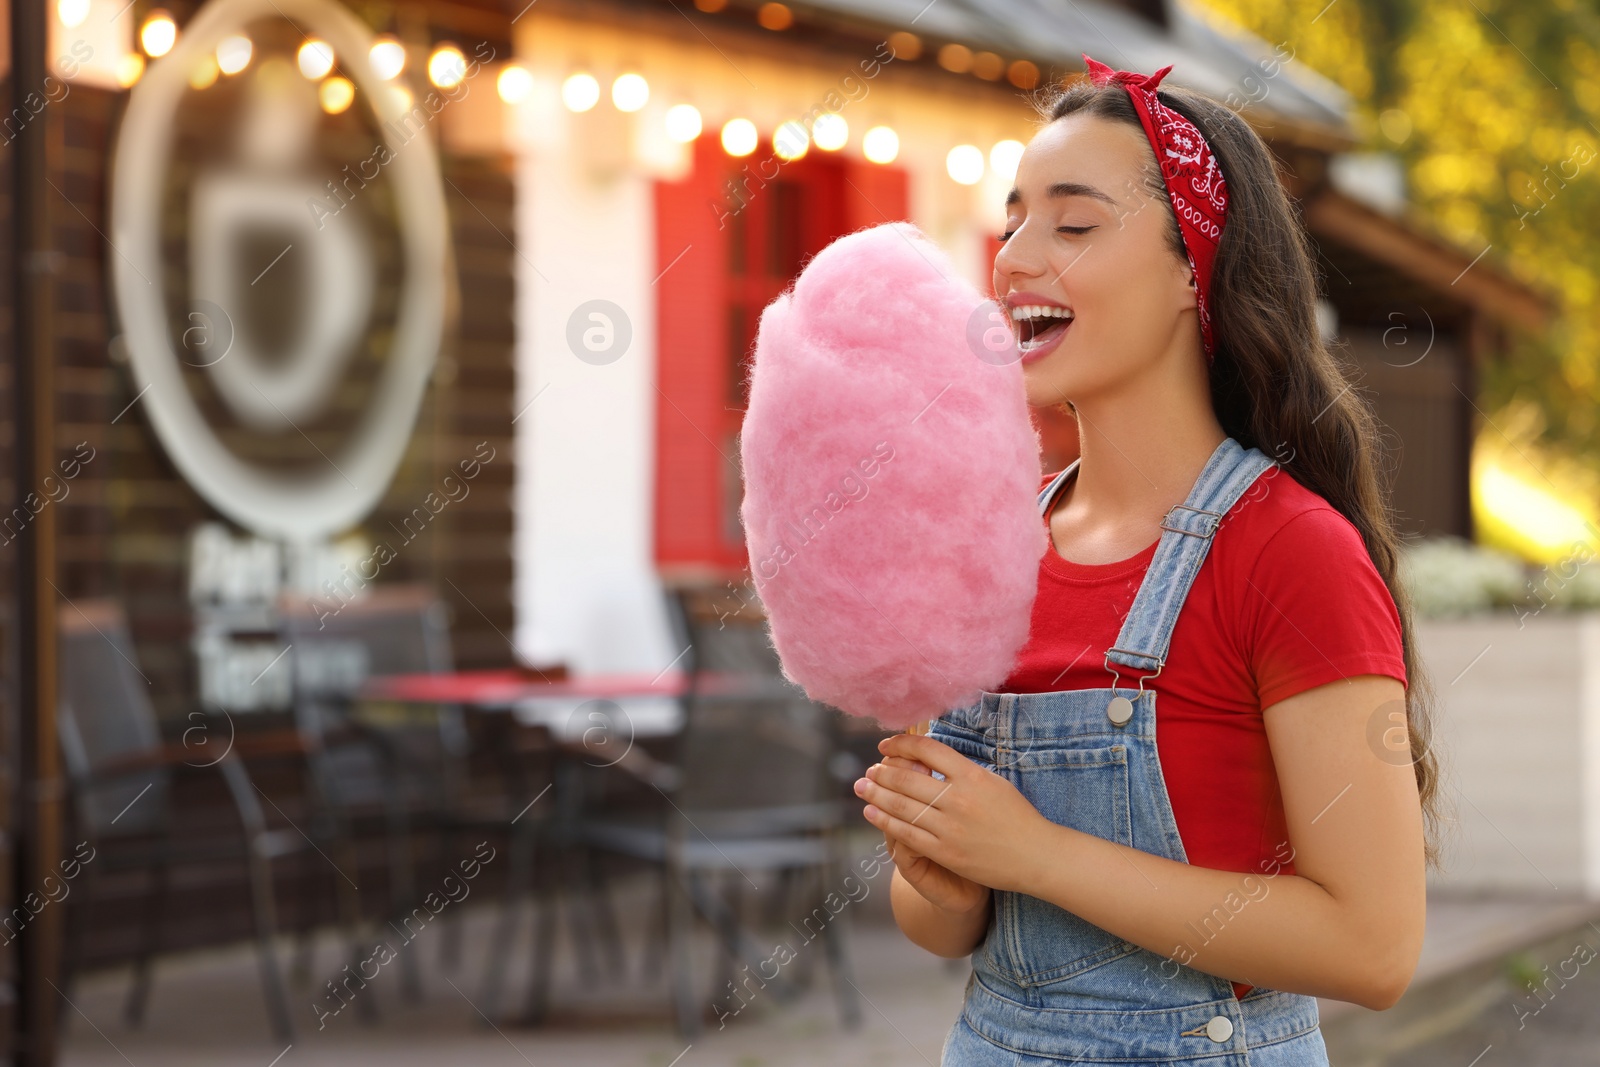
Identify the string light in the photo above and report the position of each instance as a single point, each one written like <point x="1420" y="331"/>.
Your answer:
<point x="964" y="164"/>
<point x="204" y="74"/>
<point x="1022" y="74"/>
<point x="514" y="83"/>
<point x="880" y="145"/>
<point x="447" y="67"/>
<point x="1004" y="157"/>
<point x="790" y="140"/>
<point x="684" y="123"/>
<point x="905" y="45"/>
<point x="315" y="58"/>
<point x="233" y="53"/>
<point x="630" y="92"/>
<point x="336" y="95"/>
<point x="158" y="34"/>
<point x="830" y="132"/>
<point x="739" y="137"/>
<point x="72" y="12"/>
<point x="988" y="66"/>
<point x="130" y="68"/>
<point x="580" y="92"/>
<point x="775" y="16"/>
<point x="956" y="58"/>
<point x="387" y="56"/>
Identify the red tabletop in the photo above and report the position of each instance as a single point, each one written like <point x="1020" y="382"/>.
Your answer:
<point x="495" y="689"/>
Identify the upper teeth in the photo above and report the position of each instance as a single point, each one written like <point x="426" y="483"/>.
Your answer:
<point x="1039" y="311"/>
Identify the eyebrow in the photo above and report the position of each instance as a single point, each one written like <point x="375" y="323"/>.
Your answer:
<point x="1060" y="189"/>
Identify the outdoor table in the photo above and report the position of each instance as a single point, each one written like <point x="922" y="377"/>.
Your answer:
<point x="569" y="708"/>
<point x="558" y="704"/>
<point x="500" y="689"/>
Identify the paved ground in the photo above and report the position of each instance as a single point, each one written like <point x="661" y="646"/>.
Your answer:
<point x="1565" y="1032"/>
<point x="1513" y="984"/>
<point x="207" y="1009"/>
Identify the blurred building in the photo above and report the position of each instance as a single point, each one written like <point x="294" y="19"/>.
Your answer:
<point x="308" y="296"/>
<point x="263" y="304"/>
<point x="768" y="130"/>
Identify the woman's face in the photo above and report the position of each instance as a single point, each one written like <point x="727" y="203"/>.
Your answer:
<point x="1089" y="238"/>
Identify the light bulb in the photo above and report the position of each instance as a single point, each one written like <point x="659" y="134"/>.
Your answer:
<point x="204" y="74"/>
<point x="233" y="53"/>
<point x="387" y="56"/>
<point x="580" y="92"/>
<point x="790" y="140"/>
<point x="1004" y="157"/>
<point x="964" y="164"/>
<point x="129" y="69"/>
<point x="315" y="58"/>
<point x="830" y="132"/>
<point x="72" y="12"/>
<point x="684" y="123"/>
<point x="158" y="34"/>
<point x="630" y="92"/>
<point x="880" y="145"/>
<point x="514" y="83"/>
<point x="336" y="94"/>
<point x="739" y="137"/>
<point x="447" y="67"/>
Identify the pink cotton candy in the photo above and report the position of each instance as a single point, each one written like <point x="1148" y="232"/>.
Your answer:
<point x="890" y="479"/>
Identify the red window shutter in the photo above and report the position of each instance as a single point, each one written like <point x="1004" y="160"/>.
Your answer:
<point x="735" y="233"/>
<point x="691" y="337"/>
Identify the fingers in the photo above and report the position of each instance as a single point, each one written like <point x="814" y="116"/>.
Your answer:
<point x="909" y="809"/>
<point x="929" y="751"/>
<point x="913" y="835"/>
<point x="908" y="764"/>
<point x="917" y="785"/>
<point x="902" y="854"/>
<point x="898" y="850"/>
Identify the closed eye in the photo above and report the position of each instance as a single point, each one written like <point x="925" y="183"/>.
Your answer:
<point x="1076" y="231"/>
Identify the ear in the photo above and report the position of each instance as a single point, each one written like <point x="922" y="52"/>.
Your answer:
<point x="1191" y="285"/>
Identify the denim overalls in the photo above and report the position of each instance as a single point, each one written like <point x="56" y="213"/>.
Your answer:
<point x="1047" y="987"/>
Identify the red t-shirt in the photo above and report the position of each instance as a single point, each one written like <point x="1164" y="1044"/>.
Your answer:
<point x="1287" y="599"/>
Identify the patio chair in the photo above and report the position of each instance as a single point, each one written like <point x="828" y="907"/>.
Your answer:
<point x="409" y="771"/>
<point x="122" y="774"/>
<point x="754" y="791"/>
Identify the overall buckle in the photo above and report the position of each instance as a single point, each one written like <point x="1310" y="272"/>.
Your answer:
<point x="1209" y="527"/>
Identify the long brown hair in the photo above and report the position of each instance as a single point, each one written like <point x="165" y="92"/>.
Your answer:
<point x="1274" y="384"/>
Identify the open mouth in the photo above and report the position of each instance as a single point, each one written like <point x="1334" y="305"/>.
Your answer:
<point x="1039" y="326"/>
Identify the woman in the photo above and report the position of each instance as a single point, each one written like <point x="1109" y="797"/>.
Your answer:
<point x="1198" y="802"/>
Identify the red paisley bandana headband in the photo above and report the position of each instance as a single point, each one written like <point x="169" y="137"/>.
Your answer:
<point x="1194" y="183"/>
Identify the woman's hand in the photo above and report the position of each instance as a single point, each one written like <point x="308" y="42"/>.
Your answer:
<point x="974" y="824"/>
<point x="938" y="885"/>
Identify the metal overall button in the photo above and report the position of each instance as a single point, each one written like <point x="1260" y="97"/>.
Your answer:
<point x="1120" y="709"/>
<point x="1218" y="1029"/>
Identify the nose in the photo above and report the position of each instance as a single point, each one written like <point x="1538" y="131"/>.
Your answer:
<point x="1015" y="259"/>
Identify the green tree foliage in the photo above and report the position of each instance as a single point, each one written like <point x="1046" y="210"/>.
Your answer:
<point x="1494" y="108"/>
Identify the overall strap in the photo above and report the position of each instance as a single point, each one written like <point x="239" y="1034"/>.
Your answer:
<point x="1186" y="538"/>
<point x="1048" y="493"/>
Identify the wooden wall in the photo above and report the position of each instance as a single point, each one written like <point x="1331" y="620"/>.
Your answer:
<point x="124" y="525"/>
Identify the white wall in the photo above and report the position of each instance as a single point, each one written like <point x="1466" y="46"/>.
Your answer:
<point x="586" y="591"/>
<point x="1518" y="732"/>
